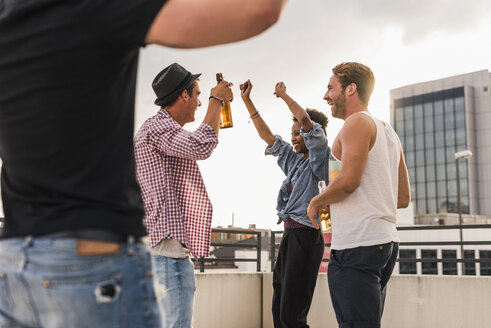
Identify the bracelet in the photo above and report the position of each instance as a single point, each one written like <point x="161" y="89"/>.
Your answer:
<point x="217" y="98"/>
<point x="253" y="116"/>
<point x="293" y="102"/>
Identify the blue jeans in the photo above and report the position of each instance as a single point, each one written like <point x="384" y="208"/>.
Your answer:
<point x="175" y="290"/>
<point x="44" y="282"/>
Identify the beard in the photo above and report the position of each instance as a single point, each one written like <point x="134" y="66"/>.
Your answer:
<point x="339" y="106"/>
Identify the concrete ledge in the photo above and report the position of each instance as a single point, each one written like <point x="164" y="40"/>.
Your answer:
<point x="234" y="300"/>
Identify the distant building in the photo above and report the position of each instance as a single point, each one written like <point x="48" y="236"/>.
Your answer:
<point x="434" y="120"/>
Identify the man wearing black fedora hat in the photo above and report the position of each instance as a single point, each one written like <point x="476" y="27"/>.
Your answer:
<point x="178" y="212"/>
<point x="72" y="206"/>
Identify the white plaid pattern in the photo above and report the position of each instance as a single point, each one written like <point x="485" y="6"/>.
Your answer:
<point x="174" y="194"/>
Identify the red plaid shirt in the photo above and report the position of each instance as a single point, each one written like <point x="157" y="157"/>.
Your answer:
<point x="174" y="194"/>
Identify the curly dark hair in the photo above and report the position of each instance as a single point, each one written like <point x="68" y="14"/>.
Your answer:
<point x="316" y="116"/>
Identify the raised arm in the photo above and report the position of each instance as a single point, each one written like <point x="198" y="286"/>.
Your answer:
<point x="261" y="127"/>
<point x="201" y="23"/>
<point x="404" y="190"/>
<point x="300" y="114"/>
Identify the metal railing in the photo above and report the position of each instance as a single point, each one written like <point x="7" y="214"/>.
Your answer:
<point x="257" y="246"/>
<point x="462" y="258"/>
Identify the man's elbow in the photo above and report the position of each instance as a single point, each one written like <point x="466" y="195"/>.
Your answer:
<point x="267" y="13"/>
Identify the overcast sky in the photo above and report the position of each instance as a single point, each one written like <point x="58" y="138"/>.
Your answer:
<point x="404" y="42"/>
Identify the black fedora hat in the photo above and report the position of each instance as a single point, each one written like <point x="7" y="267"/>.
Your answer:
<point x="170" y="82"/>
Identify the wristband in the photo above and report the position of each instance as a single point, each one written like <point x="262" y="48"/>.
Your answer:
<point x="217" y="98"/>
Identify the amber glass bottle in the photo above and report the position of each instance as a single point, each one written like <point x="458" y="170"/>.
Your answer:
<point x="226" y="116"/>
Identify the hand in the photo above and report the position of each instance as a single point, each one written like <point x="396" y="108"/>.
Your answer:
<point x="245" y="90"/>
<point x="223" y="90"/>
<point x="312" y="212"/>
<point x="280" y="89"/>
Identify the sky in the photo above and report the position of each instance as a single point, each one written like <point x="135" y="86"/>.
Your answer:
<point x="404" y="42"/>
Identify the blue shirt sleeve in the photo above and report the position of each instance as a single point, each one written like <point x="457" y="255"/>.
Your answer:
<point x="316" y="142"/>
<point x="287" y="157"/>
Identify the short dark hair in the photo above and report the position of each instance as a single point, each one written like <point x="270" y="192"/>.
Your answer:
<point x="359" y="74"/>
<point x="316" y="116"/>
<point x="189" y="89"/>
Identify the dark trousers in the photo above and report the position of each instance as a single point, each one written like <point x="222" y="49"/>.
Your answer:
<point x="295" y="276"/>
<point x="357" y="280"/>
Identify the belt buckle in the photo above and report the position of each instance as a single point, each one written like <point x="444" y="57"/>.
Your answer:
<point x="87" y="247"/>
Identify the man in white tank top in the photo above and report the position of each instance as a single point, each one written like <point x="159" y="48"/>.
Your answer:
<point x="363" y="198"/>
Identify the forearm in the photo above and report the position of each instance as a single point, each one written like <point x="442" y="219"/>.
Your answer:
<point x="198" y="23"/>
<point x="336" y="191"/>
<point x="212" y="116"/>
<point x="300" y="114"/>
<point x="261" y="127"/>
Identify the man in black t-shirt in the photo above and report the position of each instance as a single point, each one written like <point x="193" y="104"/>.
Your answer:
<point x="73" y="212"/>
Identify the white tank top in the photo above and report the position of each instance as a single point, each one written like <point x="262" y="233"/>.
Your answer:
<point x="367" y="216"/>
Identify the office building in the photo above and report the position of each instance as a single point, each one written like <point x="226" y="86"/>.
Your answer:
<point x="434" y="120"/>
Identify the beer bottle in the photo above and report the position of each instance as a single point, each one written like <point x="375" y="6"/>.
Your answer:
<point x="226" y="116"/>
<point x="324" y="214"/>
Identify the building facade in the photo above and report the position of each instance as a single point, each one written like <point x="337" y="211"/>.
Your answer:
<point x="434" y="120"/>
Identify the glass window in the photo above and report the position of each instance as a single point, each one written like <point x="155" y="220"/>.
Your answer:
<point x="420" y="141"/>
<point x="442" y="204"/>
<point x="412" y="174"/>
<point x="421" y="192"/>
<point x="459" y="104"/>
<point x="460" y="120"/>
<point x="429" y="267"/>
<point x="430" y="156"/>
<point x="438" y="107"/>
<point x="399" y="127"/>
<point x="399" y="114"/>
<point x="408" y="113"/>
<point x="418" y="126"/>
<point x="430" y="173"/>
<point x="421" y="206"/>
<point x="430" y="140"/>
<point x="465" y="204"/>
<point x="409" y="127"/>
<point x="451" y="171"/>
<point x="431" y="189"/>
<point x="449" y="268"/>
<point x="440" y="172"/>
<point x="440" y="155"/>
<point x="464" y="187"/>
<point x="452" y="188"/>
<point x="429" y="124"/>
<point x="428" y="109"/>
<point x="462" y="168"/>
<point x="420" y="157"/>
<point x="452" y="205"/>
<point x="470" y="267"/>
<point x="450" y="154"/>
<point x="439" y="139"/>
<point x="485" y="266"/>
<point x="450" y="138"/>
<point x="410" y="158"/>
<point x="460" y="136"/>
<point x="407" y="267"/>
<point x="431" y="206"/>
<point x="420" y="174"/>
<point x="439" y="123"/>
<point x="418" y="111"/>
<point x="448" y="105"/>
<point x="409" y="143"/>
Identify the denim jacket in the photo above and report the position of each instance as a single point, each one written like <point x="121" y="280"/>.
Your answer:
<point x="303" y="173"/>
